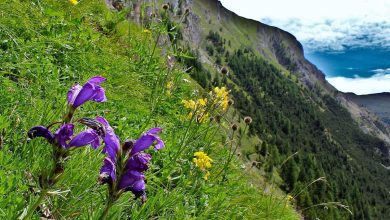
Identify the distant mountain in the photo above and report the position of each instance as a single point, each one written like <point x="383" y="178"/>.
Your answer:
<point x="376" y="103"/>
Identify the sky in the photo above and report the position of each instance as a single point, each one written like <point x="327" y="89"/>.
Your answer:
<point x="332" y="27"/>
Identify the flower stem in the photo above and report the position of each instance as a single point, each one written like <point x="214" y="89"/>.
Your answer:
<point x="32" y="208"/>
<point x="232" y="152"/>
<point x="106" y="209"/>
<point x="68" y="117"/>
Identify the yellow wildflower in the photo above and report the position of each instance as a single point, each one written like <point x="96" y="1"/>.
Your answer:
<point x="147" y="31"/>
<point x="73" y="2"/>
<point x="198" y="108"/>
<point x="189" y="104"/>
<point x="290" y="198"/>
<point x="202" y="102"/>
<point x="206" y="176"/>
<point x="169" y="87"/>
<point x="202" y="117"/>
<point x="201" y="160"/>
<point x="221" y="96"/>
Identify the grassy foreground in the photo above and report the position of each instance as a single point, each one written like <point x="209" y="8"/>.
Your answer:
<point x="46" y="46"/>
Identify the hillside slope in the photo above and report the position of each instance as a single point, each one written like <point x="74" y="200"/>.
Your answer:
<point x="48" y="45"/>
<point x="305" y="128"/>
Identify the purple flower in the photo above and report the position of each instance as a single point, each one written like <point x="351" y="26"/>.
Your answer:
<point x="110" y="139"/>
<point x="64" y="135"/>
<point x="132" y="178"/>
<point x="91" y="90"/>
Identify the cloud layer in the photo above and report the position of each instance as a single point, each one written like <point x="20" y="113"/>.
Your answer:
<point x="336" y="35"/>
<point x="331" y="25"/>
<point x="378" y="83"/>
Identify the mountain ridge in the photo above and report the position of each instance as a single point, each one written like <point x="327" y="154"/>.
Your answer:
<point x="272" y="39"/>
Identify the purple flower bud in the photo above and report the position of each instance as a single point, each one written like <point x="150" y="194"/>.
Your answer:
<point x="91" y="90"/>
<point x="40" y="131"/>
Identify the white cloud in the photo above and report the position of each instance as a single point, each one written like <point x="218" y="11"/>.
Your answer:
<point x="323" y="25"/>
<point x="381" y="71"/>
<point x="377" y="83"/>
<point x="336" y="35"/>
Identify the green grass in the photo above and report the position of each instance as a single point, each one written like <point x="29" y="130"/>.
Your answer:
<point x="46" y="46"/>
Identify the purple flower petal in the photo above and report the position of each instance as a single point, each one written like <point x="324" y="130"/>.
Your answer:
<point x="138" y="162"/>
<point x="85" y="94"/>
<point x="73" y="92"/>
<point x="160" y="144"/>
<point x="110" y="139"/>
<point x="132" y="181"/>
<point x="100" y="95"/>
<point x="64" y="134"/>
<point x="88" y="136"/>
<point x="103" y="121"/>
<point x="154" y="130"/>
<point x="40" y="131"/>
<point x="96" y="80"/>
<point x="146" y="140"/>
<point x="108" y="168"/>
<point x="91" y="90"/>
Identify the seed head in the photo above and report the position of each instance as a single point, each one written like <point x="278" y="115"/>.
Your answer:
<point x="165" y="6"/>
<point x="218" y="118"/>
<point x="248" y="120"/>
<point x="234" y="127"/>
<point x="224" y="70"/>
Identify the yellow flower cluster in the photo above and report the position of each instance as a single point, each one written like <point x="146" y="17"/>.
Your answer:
<point x="290" y="199"/>
<point x="202" y="108"/>
<point x="203" y="161"/>
<point x="73" y="2"/>
<point x="198" y="107"/>
<point x="221" y="96"/>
